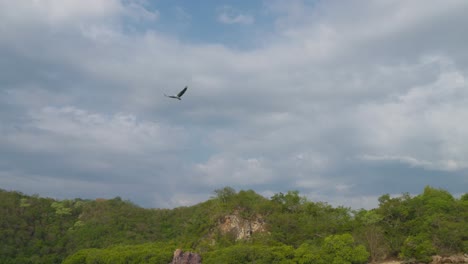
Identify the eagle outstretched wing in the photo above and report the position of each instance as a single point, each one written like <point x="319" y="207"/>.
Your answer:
<point x="182" y="92"/>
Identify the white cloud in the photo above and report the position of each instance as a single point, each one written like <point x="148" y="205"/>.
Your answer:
<point x="138" y="11"/>
<point x="445" y="165"/>
<point x="93" y="143"/>
<point x="229" y="15"/>
<point x="58" y="11"/>
<point x="232" y="170"/>
<point x="182" y="15"/>
<point x="117" y="133"/>
<point x="54" y="15"/>
<point x="423" y="127"/>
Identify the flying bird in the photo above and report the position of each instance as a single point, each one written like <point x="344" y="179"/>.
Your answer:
<point x="179" y="95"/>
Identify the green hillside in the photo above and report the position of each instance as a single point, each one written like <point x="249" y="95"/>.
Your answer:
<point x="294" y="230"/>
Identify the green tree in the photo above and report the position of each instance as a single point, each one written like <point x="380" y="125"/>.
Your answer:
<point x="368" y="229"/>
<point x="225" y="194"/>
<point x="395" y="212"/>
<point x="307" y="253"/>
<point x="61" y="209"/>
<point x="418" y="248"/>
<point x="341" y="249"/>
<point x="290" y="202"/>
<point x="251" y="253"/>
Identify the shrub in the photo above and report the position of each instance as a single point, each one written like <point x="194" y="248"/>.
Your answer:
<point x="418" y="248"/>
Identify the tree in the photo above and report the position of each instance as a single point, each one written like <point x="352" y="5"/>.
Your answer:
<point x="251" y="253"/>
<point x="464" y="197"/>
<point x="396" y="213"/>
<point x="341" y="249"/>
<point x="307" y="253"/>
<point x="225" y="194"/>
<point x="418" y="248"/>
<point x="61" y="209"/>
<point x="371" y="233"/>
<point x="291" y="201"/>
<point x="335" y="249"/>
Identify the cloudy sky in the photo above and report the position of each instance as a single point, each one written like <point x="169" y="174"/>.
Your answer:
<point x="341" y="100"/>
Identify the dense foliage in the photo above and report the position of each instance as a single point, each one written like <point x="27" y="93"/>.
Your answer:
<point x="43" y="230"/>
<point x="154" y="253"/>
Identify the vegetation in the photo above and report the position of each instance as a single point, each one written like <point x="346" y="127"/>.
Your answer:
<point x="154" y="253"/>
<point x="43" y="230"/>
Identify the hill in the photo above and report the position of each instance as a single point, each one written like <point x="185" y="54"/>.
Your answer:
<point x="231" y="227"/>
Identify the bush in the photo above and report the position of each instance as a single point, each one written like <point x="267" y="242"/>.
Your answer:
<point x="336" y="249"/>
<point x="251" y="253"/>
<point x="417" y="248"/>
<point x="341" y="249"/>
<point x="157" y="253"/>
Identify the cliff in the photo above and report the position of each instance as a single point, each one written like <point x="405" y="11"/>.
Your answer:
<point x="240" y="227"/>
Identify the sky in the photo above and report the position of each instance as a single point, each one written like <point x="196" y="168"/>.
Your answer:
<point x="343" y="101"/>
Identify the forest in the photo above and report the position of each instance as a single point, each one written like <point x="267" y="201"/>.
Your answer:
<point x="35" y="229"/>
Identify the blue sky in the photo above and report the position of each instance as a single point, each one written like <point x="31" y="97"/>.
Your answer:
<point x="230" y="23"/>
<point x="341" y="100"/>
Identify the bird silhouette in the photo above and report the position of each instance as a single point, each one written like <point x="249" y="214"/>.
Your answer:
<point x="179" y="95"/>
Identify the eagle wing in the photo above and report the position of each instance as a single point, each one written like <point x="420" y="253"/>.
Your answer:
<point x="182" y="92"/>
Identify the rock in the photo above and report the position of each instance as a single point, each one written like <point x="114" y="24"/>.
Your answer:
<point x="451" y="259"/>
<point x="457" y="259"/>
<point x="436" y="260"/>
<point x="181" y="257"/>
<point x="240" y="227"/>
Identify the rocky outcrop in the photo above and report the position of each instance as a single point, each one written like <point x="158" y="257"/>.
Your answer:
<point x="450" y="259"/>
<point x="181" y="257"/>
<point x="460" y="259"/>
<point x="241" y="228"/>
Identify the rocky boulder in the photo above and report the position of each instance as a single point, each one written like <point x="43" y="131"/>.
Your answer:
<point x="241" y="228"/>
<point x="181" y="257"/>
<point x="450" y="259"/>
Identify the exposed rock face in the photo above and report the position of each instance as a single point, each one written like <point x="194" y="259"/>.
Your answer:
<point x="181" y="257"/>
<point x="451" y="259"/>
<point x="240" y="227"/>
<point x="460" y="259"/>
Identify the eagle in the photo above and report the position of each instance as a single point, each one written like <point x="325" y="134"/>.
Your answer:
<point x="179" y="95"/>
